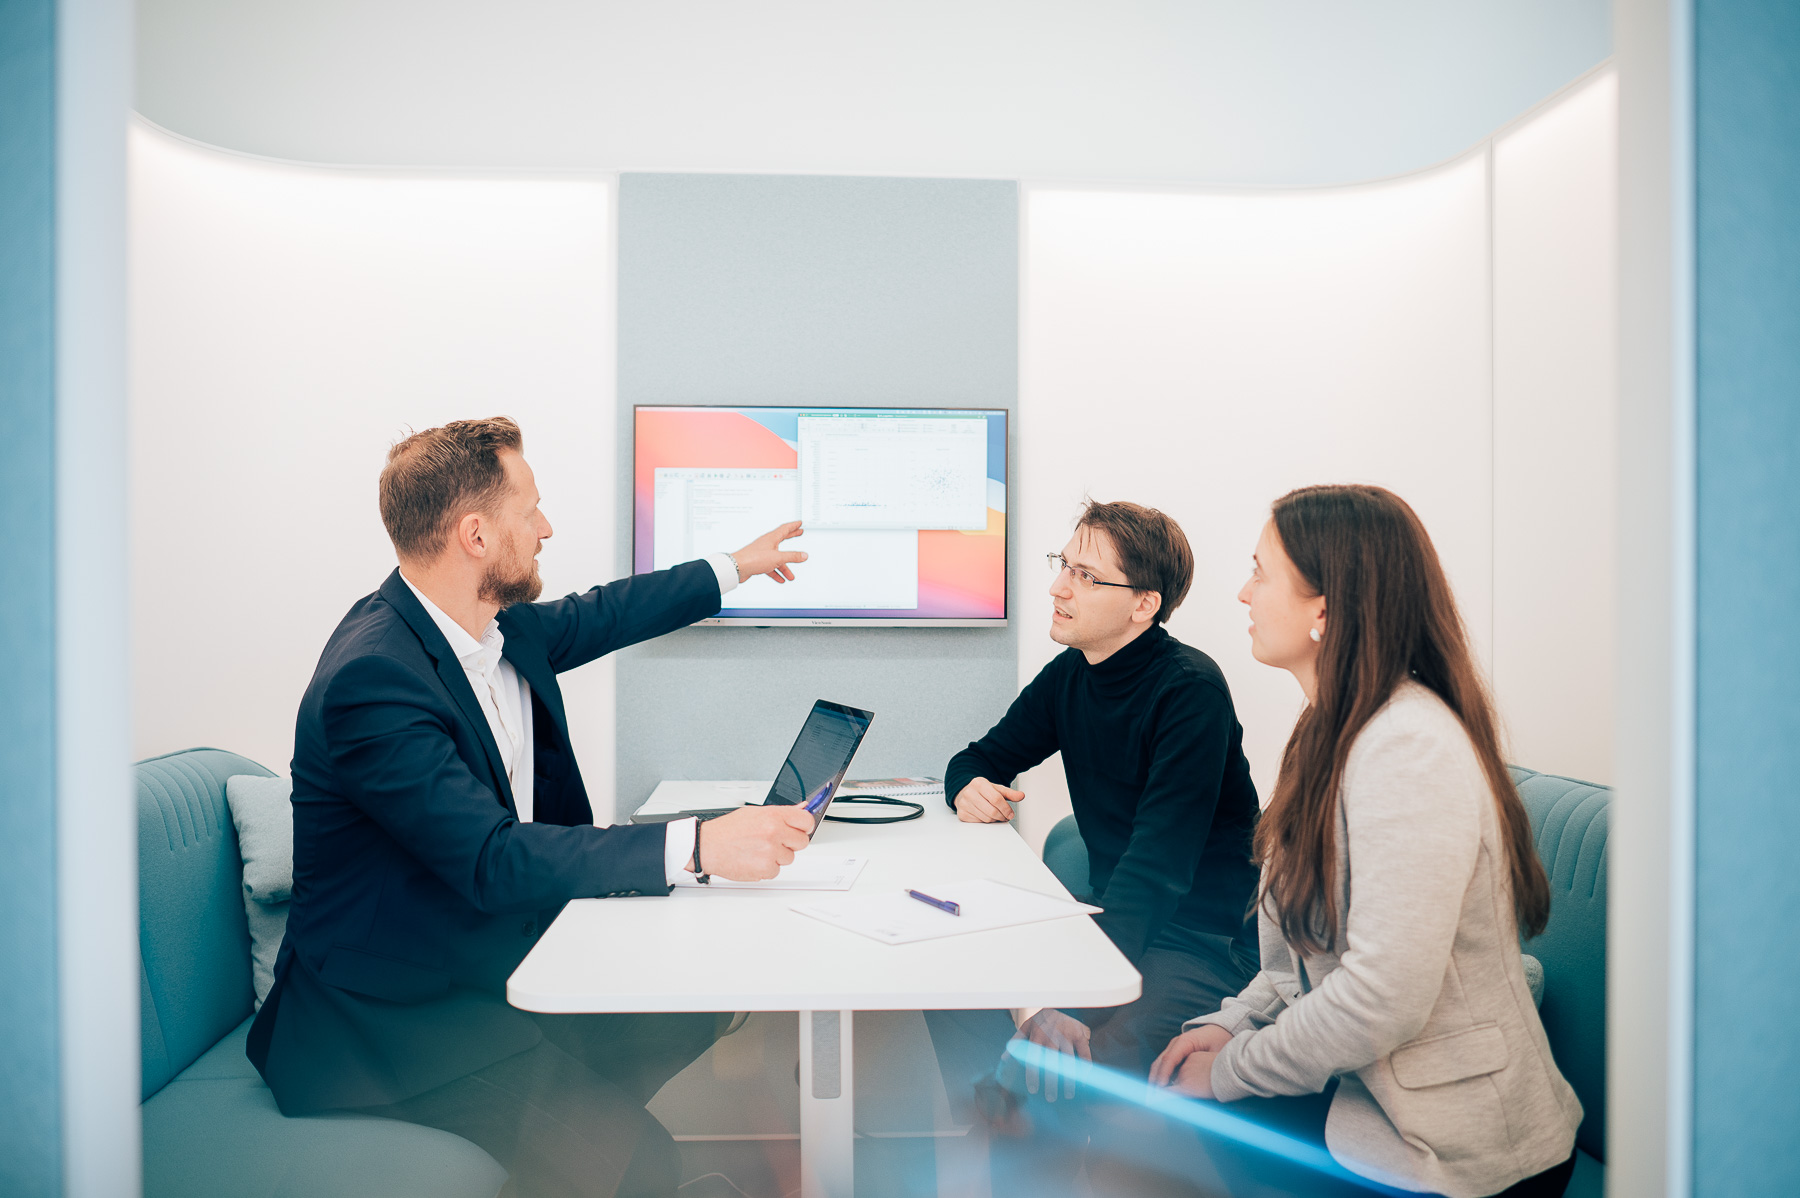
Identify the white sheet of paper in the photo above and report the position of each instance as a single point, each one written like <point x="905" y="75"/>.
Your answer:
<point x="898" y="918"/>
<point x="805" y="872"/>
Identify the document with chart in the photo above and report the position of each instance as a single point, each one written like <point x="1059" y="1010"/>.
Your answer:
<point x="893" y="471"/>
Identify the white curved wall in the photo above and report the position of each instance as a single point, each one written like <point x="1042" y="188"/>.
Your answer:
<point x="287" y="324"/>
<point x="1555" y="432"/>
<point x="1446" y="334"/>
<point x="1192" y="91"/>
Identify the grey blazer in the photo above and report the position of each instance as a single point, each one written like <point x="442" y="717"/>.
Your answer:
<point x="1445" y="1077"/>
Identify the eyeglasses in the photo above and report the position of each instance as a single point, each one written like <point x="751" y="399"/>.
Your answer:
<point x="1059" y="563"/>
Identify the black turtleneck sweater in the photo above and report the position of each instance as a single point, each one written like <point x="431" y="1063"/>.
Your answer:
<point x="1162" y="794"/>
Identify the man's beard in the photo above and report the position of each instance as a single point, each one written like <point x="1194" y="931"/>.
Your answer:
<point x="500" y="587"/>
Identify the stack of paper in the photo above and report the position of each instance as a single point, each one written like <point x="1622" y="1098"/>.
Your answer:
<point x="891" y="787"/>
<point x="807" y="871"/>
<point x="898" y="918"/>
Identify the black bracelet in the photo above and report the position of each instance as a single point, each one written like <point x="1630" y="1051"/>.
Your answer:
<point x="700" y="875"/>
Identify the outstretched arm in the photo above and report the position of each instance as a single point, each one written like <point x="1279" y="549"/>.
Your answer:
<point x="576" y="629"/>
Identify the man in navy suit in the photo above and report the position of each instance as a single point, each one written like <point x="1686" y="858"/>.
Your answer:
<point x="440" y="823"/>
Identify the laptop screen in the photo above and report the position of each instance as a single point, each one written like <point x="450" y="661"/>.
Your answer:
<point x="821" y="755"/>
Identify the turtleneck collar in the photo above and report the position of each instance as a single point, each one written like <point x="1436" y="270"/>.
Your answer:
<point x="1128" y="662"/>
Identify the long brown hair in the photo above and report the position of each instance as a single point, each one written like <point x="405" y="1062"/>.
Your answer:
<point x="1390" y="616"/>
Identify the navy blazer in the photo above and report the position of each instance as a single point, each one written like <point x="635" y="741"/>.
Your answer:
<point x="417" y="891"/>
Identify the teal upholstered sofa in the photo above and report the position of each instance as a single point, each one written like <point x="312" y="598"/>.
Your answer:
<point x="210" y="1125"/>
<point x="1569" y="823"/>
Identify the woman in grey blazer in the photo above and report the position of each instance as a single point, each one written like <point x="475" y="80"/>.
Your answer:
<point x="1398" y="871"/>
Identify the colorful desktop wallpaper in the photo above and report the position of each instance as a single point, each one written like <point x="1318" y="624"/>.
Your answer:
<point x="962" y="575"/>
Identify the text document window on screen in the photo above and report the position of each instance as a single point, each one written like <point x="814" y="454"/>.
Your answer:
<point x="701" y="511"/>
<point x="913" y="471"/>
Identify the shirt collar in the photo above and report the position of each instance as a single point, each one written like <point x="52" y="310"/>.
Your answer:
<point x="480" y="654"/>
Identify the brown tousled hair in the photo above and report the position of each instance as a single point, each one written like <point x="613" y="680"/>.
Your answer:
<point x="1390" y="616"/>
<point x="1152" y="549"/>
<point x="434" y="478"/>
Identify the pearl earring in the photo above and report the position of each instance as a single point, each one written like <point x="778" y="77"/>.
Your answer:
<point x="1315" y="635"/>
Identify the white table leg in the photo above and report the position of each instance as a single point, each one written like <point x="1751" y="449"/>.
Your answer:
<point x="827" y="1105"/>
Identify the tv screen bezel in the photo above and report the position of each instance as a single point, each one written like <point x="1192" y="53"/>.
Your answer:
<point x="999" y="621"/>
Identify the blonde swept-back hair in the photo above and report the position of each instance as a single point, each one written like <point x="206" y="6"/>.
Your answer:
<point x="434" y="478"/>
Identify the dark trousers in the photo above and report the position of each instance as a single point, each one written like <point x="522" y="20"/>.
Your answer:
<point x="1136" y="1154"/>
<point x="1186" y="973"/>
<point x="566" y="1118"/>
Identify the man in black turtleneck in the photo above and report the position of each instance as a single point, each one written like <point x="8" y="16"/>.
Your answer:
<point x="1154" y="758"/>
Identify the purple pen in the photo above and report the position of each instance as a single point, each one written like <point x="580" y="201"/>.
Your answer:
<point x="941" y="904"/>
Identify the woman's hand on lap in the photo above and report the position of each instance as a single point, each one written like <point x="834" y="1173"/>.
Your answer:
<point x="1208" y="1039"/>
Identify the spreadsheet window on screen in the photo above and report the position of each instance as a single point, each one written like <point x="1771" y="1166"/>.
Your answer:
<point x="904" y="508"/>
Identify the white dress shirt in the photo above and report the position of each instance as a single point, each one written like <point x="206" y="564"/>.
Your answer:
<point x="505" y="700"/>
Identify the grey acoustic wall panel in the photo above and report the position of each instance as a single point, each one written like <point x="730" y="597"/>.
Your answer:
<point x="746" y="289"/>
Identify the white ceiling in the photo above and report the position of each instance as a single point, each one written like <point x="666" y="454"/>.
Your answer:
<point x="1216" y="91"/>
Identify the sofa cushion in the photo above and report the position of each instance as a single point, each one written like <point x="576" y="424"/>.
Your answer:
<point x="1065" y="852"/>
<point x="262" y="809"/>
<point x="1589" y="1180"/>
<point x="1534" y="978"/>
<point x="194" y="981"/>
<point x="215" y="1132"/>
<point x="1569" y="824"/>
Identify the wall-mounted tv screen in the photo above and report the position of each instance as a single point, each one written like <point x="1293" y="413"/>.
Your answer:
<point x="904" y="508"/>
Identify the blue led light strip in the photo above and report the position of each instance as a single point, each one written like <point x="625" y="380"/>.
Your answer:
<point x="1210" y="1118"/>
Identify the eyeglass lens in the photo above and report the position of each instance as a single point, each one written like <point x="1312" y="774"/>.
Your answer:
<point x="1058" y="563"/>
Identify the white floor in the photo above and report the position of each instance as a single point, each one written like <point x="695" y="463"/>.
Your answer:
<point x="736" y="1114"/>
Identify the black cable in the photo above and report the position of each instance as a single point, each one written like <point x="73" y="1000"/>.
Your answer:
<point x="917" y="811"/>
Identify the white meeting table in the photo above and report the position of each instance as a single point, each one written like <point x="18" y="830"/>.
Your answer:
<point x="744" y="950"/>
